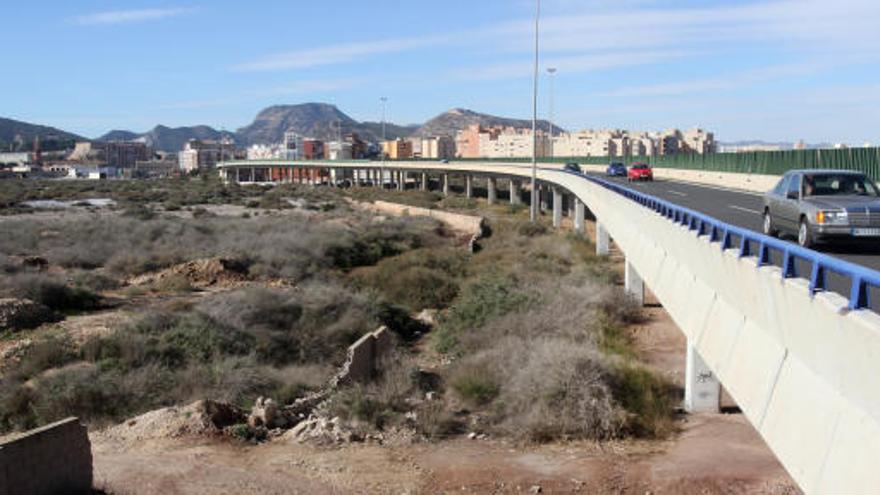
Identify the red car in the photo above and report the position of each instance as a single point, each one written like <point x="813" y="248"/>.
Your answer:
<point x="640" y="171"/>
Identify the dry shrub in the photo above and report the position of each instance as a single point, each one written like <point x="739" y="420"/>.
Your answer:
<point x="49" y="291"/>
<point x="418" y="279"/>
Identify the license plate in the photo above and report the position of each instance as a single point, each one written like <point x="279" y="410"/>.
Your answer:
<point x="866" y="232"/>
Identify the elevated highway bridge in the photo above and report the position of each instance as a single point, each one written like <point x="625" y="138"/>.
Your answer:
<point x="790" y="332"/>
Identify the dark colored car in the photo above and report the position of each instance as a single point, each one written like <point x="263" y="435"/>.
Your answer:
<point x="640" y="171"/>
<point x="616" y="169"/>
<point x="573" y="167"/>
<point x="823" y="205"/>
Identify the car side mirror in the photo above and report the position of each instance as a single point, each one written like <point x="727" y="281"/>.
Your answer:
<point x="792" y="195"/>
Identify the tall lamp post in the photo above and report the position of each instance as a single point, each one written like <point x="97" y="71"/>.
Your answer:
<point x="552" y="72"/>
<point x="533" y="208"/>
<point x="384" y="100"/>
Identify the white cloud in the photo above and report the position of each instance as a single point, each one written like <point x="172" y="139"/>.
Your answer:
<point x="129" y="16"/>
<point x="337" y="54"/>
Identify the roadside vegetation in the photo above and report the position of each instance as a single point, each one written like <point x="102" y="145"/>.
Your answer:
<point x="529" y="339"/>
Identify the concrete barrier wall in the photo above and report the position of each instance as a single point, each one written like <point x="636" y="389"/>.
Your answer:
<point x="465" y="223"/>
<point x="364" y="357"/>
<point x="56" y="458"/>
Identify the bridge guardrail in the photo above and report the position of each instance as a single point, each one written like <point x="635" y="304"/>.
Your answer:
<point x="860" y="278"/>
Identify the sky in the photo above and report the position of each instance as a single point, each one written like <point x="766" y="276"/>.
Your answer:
<point x="772" y="70"/>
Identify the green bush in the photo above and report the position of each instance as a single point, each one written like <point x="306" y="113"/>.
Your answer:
<point x="50" y="292"/>
<point x="480" y="301"/>
<point x="476" y="386"/>
<point x="650" y="400"/>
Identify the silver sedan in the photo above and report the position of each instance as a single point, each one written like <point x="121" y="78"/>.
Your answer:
<point x="822" y="206"/>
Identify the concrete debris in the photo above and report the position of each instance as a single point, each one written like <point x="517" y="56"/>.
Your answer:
<point x="427" y="317"/>
<point x="264" y="413"/>
<point x="321" y="431"/>
<point x="19" y="314"/>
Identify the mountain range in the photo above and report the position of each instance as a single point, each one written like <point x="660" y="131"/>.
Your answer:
<point x="318" y="120"/>
<point x="15" y="134"/>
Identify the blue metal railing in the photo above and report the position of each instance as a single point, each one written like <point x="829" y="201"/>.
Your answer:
<point x="759" y="245"/>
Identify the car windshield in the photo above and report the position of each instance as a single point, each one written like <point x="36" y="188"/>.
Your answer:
<point x="639" y="166"/>
<point x="839" y="185"/>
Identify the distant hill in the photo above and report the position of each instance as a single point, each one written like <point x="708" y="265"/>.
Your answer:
<point x="163" y="138"/>
<point x="9" y="129"/>
<point x="318" y="120"/>
<point x="447" y="123"/>
<point x="119" y="135"/>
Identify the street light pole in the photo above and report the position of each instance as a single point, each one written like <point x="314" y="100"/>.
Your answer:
<point x="533" y="208"/>
<point x="552" y="72"/>
<point x="384" y="99"/>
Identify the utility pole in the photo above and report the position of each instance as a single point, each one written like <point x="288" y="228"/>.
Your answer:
<point x="552" y="72"/>
<point x="384" y="100"/>
<point x="533" y="208"/>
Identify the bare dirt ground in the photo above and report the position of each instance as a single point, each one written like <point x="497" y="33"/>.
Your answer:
<point x="713" y="454"/>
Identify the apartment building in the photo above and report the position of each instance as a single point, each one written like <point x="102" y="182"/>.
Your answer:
<point x="204" y="154"/>
<point x="513" y="143"/>
<point x="438" y="147"/>
<point x="398" y="149"/>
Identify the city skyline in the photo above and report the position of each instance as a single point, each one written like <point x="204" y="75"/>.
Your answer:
<point x="778" y="70"/>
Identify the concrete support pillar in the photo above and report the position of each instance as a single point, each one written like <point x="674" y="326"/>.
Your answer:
<point x="424" y="181"/>
<point x="468" y="186"/>
<point x="492" y="190"/>
<point x="603" y="241"/>
<point x="542" y="197"/>
<point x="557" y="208"/>
<point x="702" y="390"/>
<point x="401" y="177"/>
<point x="515" y="193"/>
<point x="579" y="224"/>
<point x="634" y="286"/>
<point x="446" y="184"/>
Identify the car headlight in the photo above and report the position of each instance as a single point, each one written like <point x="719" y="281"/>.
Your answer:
<point x="831" y="217"/>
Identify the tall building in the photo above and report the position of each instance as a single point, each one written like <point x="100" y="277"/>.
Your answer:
<point x="509" y="142"/>
<point x="398" y="149"/>
<point x="125" y="154"/>
<point x="467" y="141"/>
<point x="312" y="149"/>
<point x="438" y="147"/>
<point x="204" y="154"/>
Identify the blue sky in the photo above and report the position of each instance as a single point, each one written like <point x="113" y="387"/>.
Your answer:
<point x="772" y="70"/>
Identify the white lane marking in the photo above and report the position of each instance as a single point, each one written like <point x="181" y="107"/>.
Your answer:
<point x="747" y="210"/>
<point x="719" y="188"/>
<point x="677" y="192"/>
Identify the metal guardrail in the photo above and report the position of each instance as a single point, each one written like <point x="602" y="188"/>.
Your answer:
<point x="759" y="245"/>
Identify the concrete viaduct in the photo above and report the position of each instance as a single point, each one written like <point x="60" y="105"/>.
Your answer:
<point x="801" y="361"/>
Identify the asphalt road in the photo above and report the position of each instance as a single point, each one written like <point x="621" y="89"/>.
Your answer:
<point x="744" y="209"/>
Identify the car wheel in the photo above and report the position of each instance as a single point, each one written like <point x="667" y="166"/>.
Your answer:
<point x="768" y="225"/>
<point x="805" y="236"/>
